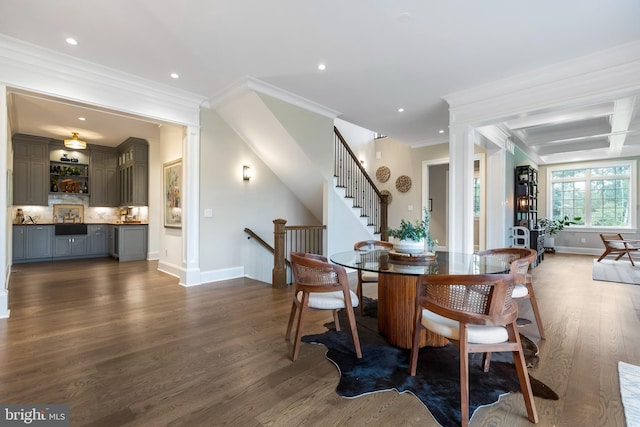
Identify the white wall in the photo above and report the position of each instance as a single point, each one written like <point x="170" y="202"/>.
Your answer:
<point x="361" y="142"/>
<point x="165" y="244"/>
<point x="236" y="204"/>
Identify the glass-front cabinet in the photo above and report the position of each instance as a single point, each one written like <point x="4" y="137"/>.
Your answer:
<point x="68" y="171"/>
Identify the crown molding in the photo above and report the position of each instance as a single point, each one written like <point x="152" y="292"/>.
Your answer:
<point x="248" y="83"/>
<point x="34" y="68"/>
<point x="604" y="75"/>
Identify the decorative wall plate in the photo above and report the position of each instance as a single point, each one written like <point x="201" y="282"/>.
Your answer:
<point x="388" y="194"/>
<point x="383" y="173"/>
<point x="403" y="183"/>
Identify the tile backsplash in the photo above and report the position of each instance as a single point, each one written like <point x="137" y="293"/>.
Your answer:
<point x="44" y="214"/>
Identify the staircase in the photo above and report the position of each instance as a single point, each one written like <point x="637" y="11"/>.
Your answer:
<point x="357" y="185"/>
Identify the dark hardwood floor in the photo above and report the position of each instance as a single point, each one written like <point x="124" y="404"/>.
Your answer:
<point x="123" y="344"/>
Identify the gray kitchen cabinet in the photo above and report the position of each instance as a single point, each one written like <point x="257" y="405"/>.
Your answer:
<point x="19" y="246"/>
<point x="104" y="177"/>
<point x="98" y="239"/>
<point x="70" y="246"/>
<point x="32" y="243"/>
<point x="128" y="242"/>
<point x="30" y="170"/>
<point x="112" y="241"/>
<point x="133" y="172"/>
<point x="39" y="241"/>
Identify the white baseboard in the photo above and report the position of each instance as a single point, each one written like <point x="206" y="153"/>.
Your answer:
<point x="578" y="251"/>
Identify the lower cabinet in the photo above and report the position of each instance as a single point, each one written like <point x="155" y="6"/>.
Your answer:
<point x="70" y="246"/>
<point x="128" y="242"/>
<point x="32" y="243"/>
<point x="39" y="243"/>
<point x="98" y="238"/>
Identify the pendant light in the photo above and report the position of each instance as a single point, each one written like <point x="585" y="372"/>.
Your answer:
<point x="75" y="143"/>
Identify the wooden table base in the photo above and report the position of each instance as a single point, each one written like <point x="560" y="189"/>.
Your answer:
<point x="396" y="311"/>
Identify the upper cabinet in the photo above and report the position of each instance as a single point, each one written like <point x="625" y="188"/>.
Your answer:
<point x="68" y="170"/>
<point x="133" y="170"/>
<point x="30" y="170"/>
<point x="109" y="177"/>
<point x="104" y="177"/>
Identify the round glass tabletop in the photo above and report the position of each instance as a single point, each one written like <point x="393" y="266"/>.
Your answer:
<point x="444" y="263"/>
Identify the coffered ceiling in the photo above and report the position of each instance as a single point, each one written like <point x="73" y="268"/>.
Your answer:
<point x="380" y="57"/>
<point x="605" y="130"/>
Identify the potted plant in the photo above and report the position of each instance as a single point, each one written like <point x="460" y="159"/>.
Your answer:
<point x="411" y="237"/>
<point x="553" y="227"/>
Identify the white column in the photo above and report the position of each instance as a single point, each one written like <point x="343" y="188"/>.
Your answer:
<point x="460" y="222"/>
<point x="190" y="274"/>
<point x="5" y="256"/>
<point x="499" y="202"/>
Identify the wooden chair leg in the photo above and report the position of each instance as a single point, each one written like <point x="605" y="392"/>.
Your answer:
<point x="304" y="306"/>
<point x="536" y="311"/>
<point x="354" y="332"/>
<point x="292" y="316"/>
<point x="523" y="375"/>
<point x="486" y="360"/>
<point x="359" y="293"/>
<point x="606" y="252"/>
<point x="336" y="320"/>
<point x="464" y="378"/>
<point x="415" y="346"/>
<point x="630" y="259"/>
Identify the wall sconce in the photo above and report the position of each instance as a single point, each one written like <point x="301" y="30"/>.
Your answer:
<point x="523" y="203"/>
<point x="246" y="173"/>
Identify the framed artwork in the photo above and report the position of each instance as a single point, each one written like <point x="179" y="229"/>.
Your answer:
<point x="68" y="214"/>
<point x="172" y="185"/>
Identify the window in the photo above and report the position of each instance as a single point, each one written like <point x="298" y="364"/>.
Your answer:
<point x="602" y="194"/>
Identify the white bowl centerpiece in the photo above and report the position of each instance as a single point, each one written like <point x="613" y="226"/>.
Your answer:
<point x="412" y="237"/>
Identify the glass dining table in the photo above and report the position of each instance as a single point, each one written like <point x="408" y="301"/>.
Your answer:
<point x="397" y="278"/>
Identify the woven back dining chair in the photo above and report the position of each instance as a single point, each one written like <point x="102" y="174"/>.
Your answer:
<point x="368" y="276"/>
<point x="322" y="286"/>
<point x="477" y="314"/>
<point x="525" y="257"/>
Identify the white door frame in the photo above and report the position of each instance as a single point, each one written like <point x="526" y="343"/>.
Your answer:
<point x="481" y="158"/>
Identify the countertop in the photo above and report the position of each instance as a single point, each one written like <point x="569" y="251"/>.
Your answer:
<point x="90" y="223"/>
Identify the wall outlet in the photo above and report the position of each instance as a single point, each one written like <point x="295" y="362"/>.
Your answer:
<point x="208" y="213"/>
<point x="410" y="207"/>
<point x="583" y="240"/>
<point x="378" y="155"/>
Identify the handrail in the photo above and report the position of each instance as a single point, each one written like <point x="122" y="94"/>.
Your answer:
<point x="298" y="238"/>
<point x="262" y="243"/>
<point x="358" y="185"/>
<point x="357" y="162"/>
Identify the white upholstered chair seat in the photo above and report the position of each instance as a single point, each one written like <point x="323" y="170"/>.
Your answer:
<point x="450" y="328"/>
<point x="329" y="300"/>
<point x="520" y="291"/>
<point x="369" y="276"/>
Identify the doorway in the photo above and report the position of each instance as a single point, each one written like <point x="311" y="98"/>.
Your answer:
<point x="435" y="198"/>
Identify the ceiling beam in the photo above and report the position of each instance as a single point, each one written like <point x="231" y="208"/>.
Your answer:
<point x="622" y="113"/>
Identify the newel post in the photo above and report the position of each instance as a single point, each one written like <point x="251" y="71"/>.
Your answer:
<point x="279" y="275"/>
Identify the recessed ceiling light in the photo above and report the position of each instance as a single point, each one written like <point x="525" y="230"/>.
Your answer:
<point x="81" y="119"/>
<point x="71" y="41"/>
<point x="404" y="17"/>
<point x="322" y="67"/>
<point x="441" y="131"/>
<point x="400" y="110"/>
<point x="175" y="75"/>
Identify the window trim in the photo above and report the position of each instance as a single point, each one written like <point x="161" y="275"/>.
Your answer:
<point x="633" y="192"/>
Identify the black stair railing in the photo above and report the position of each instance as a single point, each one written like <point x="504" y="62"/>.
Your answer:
<point x="359" y="186"/>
